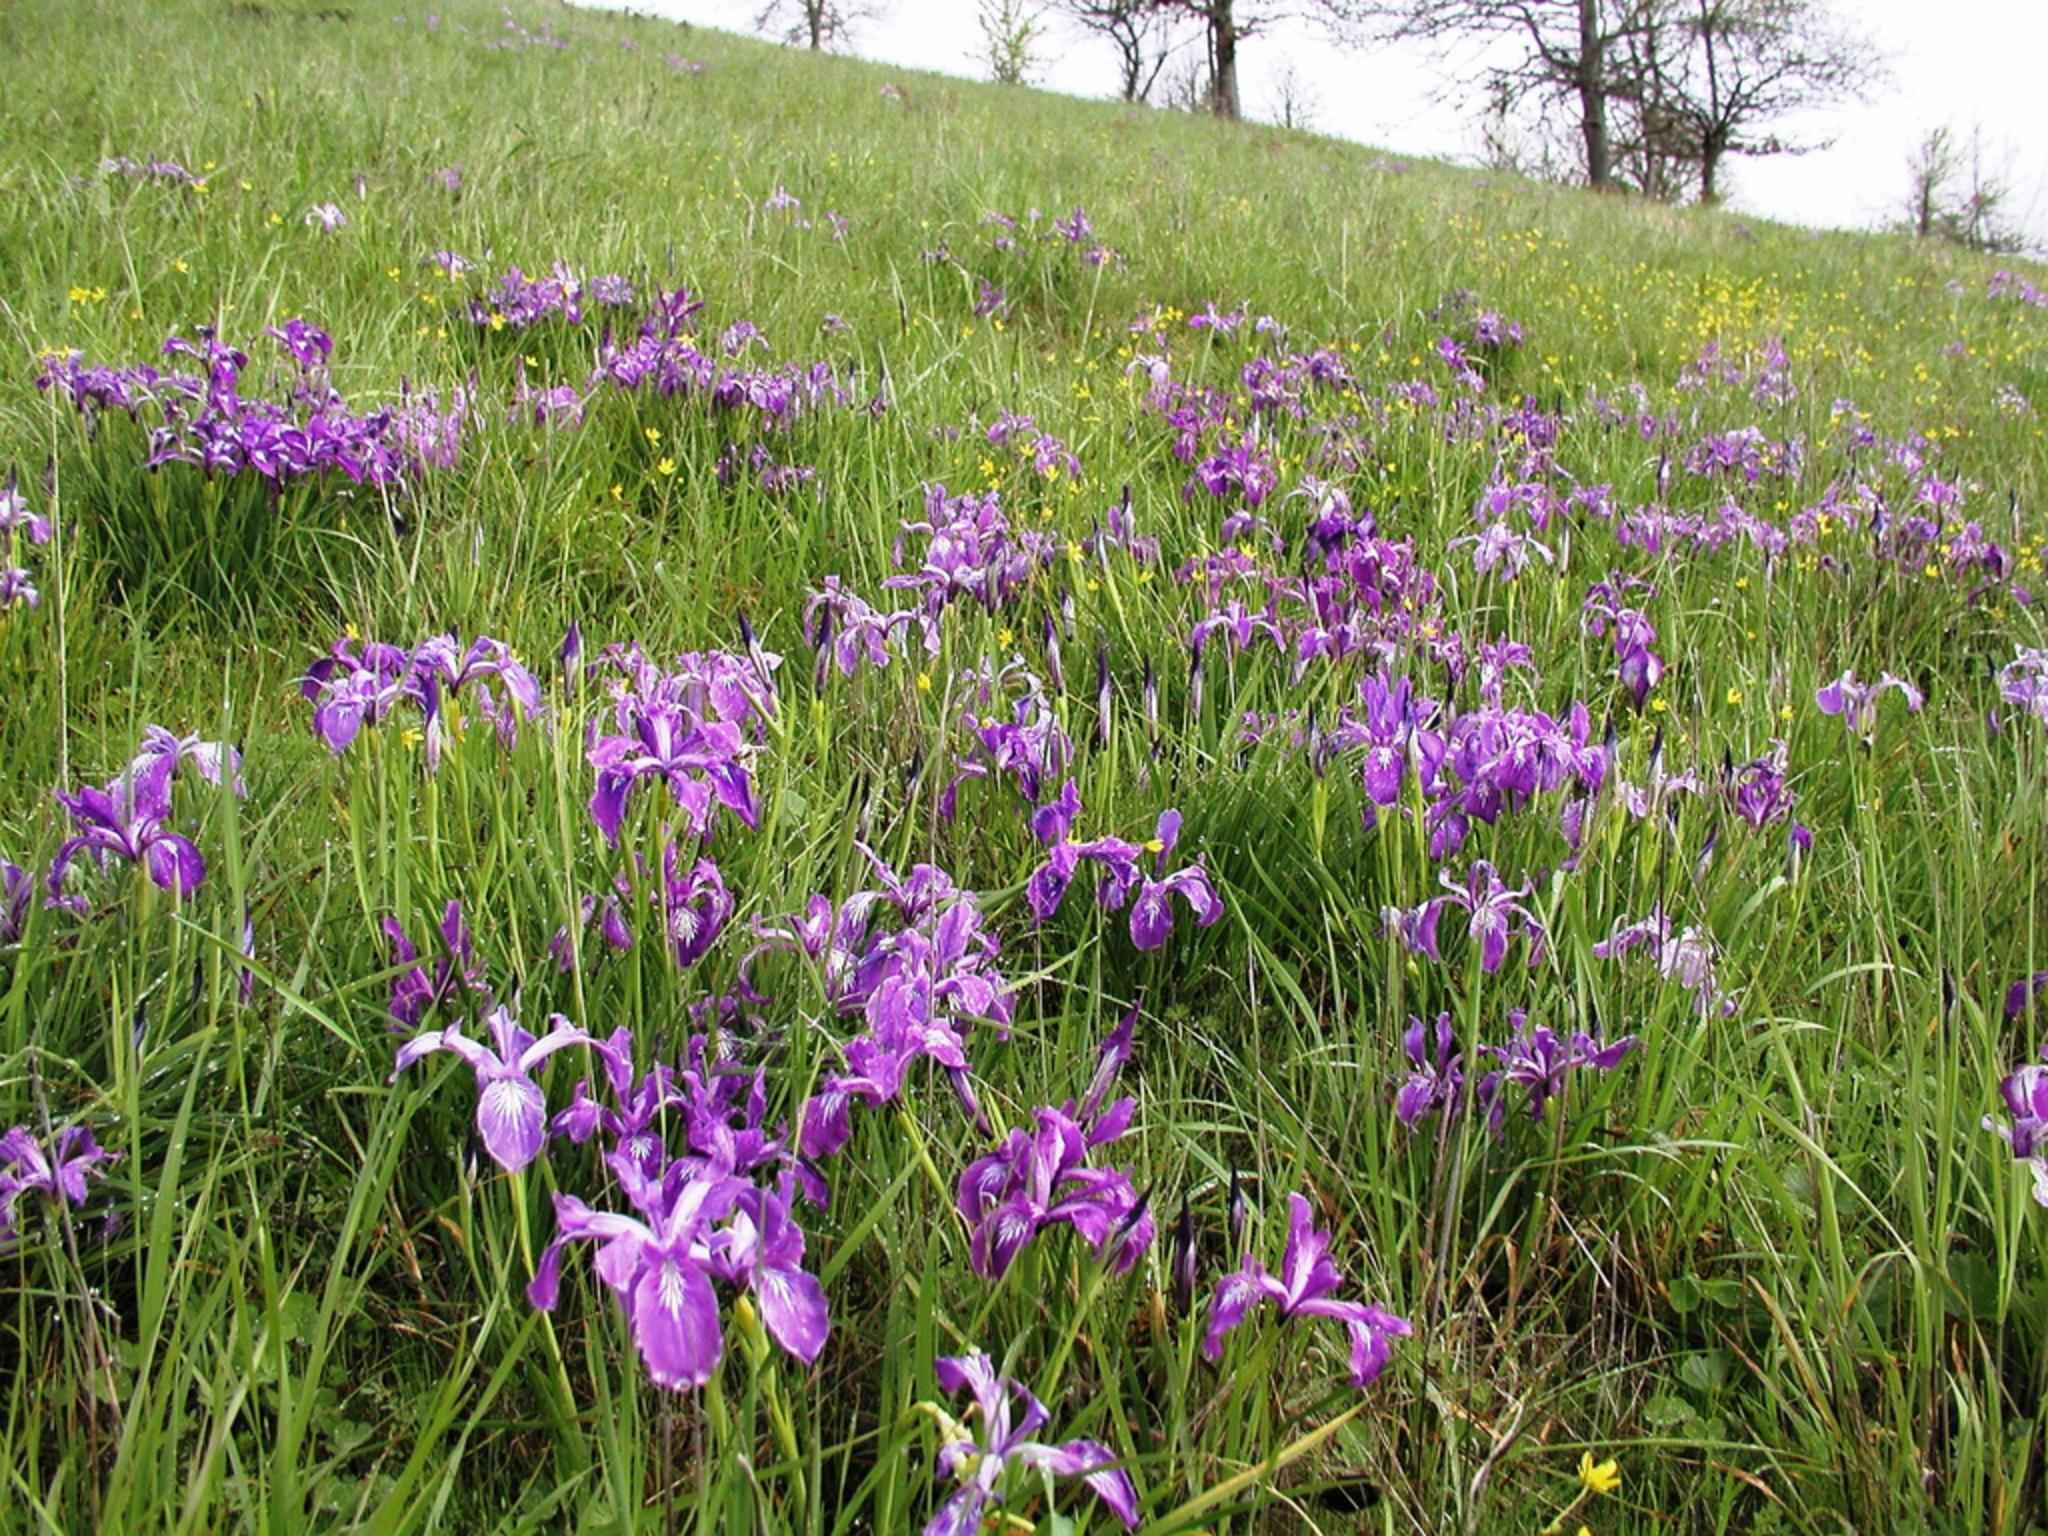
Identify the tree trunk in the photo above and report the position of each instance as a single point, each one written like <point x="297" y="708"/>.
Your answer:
<point x="1593" y="95"/>
<point x="814" y="15"/>
<point x="1223" y="51"/>
<point x="1710" y="166"/>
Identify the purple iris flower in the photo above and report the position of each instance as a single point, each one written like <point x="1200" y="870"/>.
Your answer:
<point x="127" y="819"/>
<point x="1687" y="958"/>
<point x="1539" y="1059"/>
<point x="1496" y="914"/>
<point x="1437" y="1074"/>
<point x="456" y="970"/>
<point x="59" y="1173"/>
<point x="659" y="1267"/>
<point x="1004" y="1437"/>
<point x="2025" y="1091"/>
<point x="1302" y="1289"/>
<point x="2019" y="997"/>
<point x="1040" y="1179"/>
<point x="1856" y="702"/>
<point x="2023" y="682"/>
<point x="1151" y="921"/>
<point x="511" y="1110"/>
<point x="761" y="1249"/>
<point x="700" y="760"/>
<point x="16" y="885"/>
<point x="1758" y="790"/>
<point x="1152" y="911"/>
<point x="14" y="512"/>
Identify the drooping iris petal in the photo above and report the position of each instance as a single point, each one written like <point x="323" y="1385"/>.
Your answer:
<point x="675" y="1324"/>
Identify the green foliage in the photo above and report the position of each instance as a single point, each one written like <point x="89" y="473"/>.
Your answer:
<point x="1773" y="1265"/>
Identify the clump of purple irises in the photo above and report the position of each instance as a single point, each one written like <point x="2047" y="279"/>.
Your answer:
<point x="1534" y="1057"/>
<point x="361" y="683"/>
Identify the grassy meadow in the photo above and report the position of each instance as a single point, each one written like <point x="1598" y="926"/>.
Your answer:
<point x="1043" y="707"/>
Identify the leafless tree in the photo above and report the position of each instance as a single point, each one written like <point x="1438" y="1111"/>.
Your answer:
<point x="816" y="24"/>
<point x="1140" y="30"/>
<point x="1953" y="195"/>
<point x="1225" y="24"/>
<point x="1714" y="75"/>
<point x="1568" y="51"/>
<point x="1294" y="99"/>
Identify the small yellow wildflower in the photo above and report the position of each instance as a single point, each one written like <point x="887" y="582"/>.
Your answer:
<point x="1600" y="1477"/>
<point x="181" y="266"/>
<point x="653" y="434"/>
<point x="924" y="682"/>
<point x="1734" y="695"/>
<point x="665" y="467"/>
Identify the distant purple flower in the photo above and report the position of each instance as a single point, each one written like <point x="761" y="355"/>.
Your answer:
<point x="1687" y="958"/>
<point x="1758" y="790"/>
<point x="17" y="585"/>
<point x="14" y="512"/>
<point x="2023" y="682"/>
<point x="327" y="217"/>
<point x="16" y="885"/>
<point x="1004" y="1437"/>
<point x="2019" y="997"/>
<point x="25" y="1168"/>
<point x="1856" y="702"/>
<point x="511" y="1112"/>
<point x="1302" y="1289"/>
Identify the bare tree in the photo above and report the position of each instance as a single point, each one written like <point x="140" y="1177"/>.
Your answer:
<point x="1952" y="195"/>
<point x="1294" y="100"/>
<point x="816" y="24"/>
<point x="1226" y="23"/>
<point x="1140" y="30"/>
<point x="1715" y="74"/>
<point x="1568" y="51"/>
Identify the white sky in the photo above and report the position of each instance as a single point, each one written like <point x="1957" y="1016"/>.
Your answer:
<point x="1970" y="64"/>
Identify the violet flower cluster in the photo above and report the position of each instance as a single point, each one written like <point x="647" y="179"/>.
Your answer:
<point x="18" y="525"/>
<point x="913" y="960"/>
<point x="699" y="1218"/>
<point x="203" y="419"/>
<point x="1121" y="877"/>
<point x="1534" y="1058"/>
<point x="693" y="728"/>
<point x="361" y="683"/>
<point x="1042" y="1178"/>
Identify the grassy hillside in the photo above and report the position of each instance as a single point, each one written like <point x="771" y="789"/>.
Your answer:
<point x="1434" y="592"/>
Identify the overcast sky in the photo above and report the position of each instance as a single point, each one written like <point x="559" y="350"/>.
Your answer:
<point x="1974" y="65"/>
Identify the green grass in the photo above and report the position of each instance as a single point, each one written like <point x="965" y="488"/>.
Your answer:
<point x="1772" y="1264"/>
